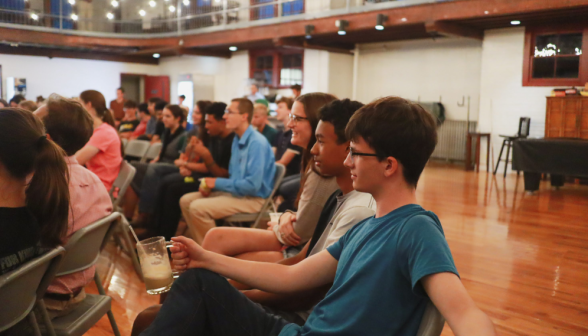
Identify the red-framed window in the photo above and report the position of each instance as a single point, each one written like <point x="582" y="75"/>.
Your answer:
<point x="555" y="56"/>
<point x="276" y="68"/>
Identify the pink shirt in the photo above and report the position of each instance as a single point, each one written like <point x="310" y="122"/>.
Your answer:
<point x="89" y="202"/>
<point x="105" y="164"/>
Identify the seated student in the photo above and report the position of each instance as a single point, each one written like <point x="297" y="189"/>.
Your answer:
<point x="70" y="126"/>
<point x="28" y="105"/>
<point x="174" y="139"/>
<point x="33" y="210"/>
<point x="129" y="122"/>
<point x="102" y="154"/>
<point x="4" y="103"/>
<point x="295" y="229"/>
<point x="160" y="126"/>
<point x="385" y="270"/>
<point x="208" y="155"/>
<point x="143" y="116"/>
<point x="251" y="176"/>
<point x="344" y="209"/>
<point x="198" y="116"/>
<point x="289" y="155"/>
<point x="152" y="123"/>
<point x="16" y="99"/>
<point x="259" y="121"/>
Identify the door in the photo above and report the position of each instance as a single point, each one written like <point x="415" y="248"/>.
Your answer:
<point x="157" y="86"/>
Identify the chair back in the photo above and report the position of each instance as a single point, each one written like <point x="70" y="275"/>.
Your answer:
<point x="20" y="288"/>
<point x="122" y="182"/>
<point x="278" y="177"/>
<point x="125" y="142"/>
<point x="524" y="127"/>
<point x="83" y="248"/>
<point x="432" y="322"/>
<point x="152" y="152"/>
<point x="137" y="148"/>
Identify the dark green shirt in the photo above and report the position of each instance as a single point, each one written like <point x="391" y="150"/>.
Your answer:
<point x="270" y="134"/>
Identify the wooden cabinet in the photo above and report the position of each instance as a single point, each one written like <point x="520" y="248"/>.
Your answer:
<point x="567" y="117"/>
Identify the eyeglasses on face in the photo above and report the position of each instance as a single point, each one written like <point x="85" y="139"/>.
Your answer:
<point x="227" y="111"/>
<point x="296" y="119"/>
<point x="353" y="154"/>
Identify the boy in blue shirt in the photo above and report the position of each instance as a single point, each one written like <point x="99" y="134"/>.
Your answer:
<point x="384" y="271"/>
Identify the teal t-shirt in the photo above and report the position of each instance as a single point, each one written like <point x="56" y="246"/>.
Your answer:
<point x="376" y="289"/>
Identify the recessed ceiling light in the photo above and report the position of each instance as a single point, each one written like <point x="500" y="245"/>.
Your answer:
<point x="142" y="12"/>
<point x="114" y="3"/>
<point x="152" y="3"/>
<point x="74" y="17"/>
<point x="403" y="20"/>
<point x="34" y="16"/>
<point x="156" y="55"/>
<point x="515" y="22"/>
<point x="110" y="16"/>
<point x="72" y="2"/>
<point x="186" y="2"/>
<point x="172" y="8"/>
<point x="486" y="12"/>
<point x="233" y="48"/>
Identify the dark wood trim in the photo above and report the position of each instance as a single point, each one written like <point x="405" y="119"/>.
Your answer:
<point x="76" y="54"/>
<point x="449" y="29"/>
<point x="277" y="62"/>
<point x="528" y="56"/>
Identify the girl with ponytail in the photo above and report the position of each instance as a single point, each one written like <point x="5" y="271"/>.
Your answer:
<point x="34" y="192"/>
<point x="102" y="154"/>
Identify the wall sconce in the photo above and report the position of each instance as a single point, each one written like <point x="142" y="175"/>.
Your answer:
<point x="380" y="21"/>
<point x="308" y="30"/>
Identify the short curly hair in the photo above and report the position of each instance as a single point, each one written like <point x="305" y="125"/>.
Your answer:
<point x="338" y="113"/>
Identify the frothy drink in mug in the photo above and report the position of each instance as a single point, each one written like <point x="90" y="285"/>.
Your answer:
<point x="155" y="265"/>
<point x="157" y="274"/>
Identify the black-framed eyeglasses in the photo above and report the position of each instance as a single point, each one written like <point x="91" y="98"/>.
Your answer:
<point x="295" y="119"/>
<point x="353" y="153"/>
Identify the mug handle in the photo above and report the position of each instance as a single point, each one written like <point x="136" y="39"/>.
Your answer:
<point x="169" y="244"/>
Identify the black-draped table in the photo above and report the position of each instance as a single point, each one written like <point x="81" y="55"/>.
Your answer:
<point x="557" y="157"/>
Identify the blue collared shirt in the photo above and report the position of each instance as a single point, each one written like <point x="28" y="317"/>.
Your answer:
<point x="252" y="167"/>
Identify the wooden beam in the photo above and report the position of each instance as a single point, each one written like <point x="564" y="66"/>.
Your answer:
<point x="204" y="52"/>
<point x="298" y="44"/>
<point x="449" y="29"/>
<point x="76" y="54"/>
<point x="325" y="48"/>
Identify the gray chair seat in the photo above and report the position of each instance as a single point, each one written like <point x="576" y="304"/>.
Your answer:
<point x="83" y="317"/>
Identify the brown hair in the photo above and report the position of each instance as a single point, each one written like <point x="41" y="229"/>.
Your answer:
<point x="286" y="100"/>
<point x="202" y="105"/>
<point x="24" y="149"/>
<point x="68" y="123"/>
<point x="312" y="103"/>
<point x="177" y="112"/>
<point x="396" y="127"/>
<point x="130" y="104"/>
<point x="245" y="107"/>
<point x="99" y="104"/>
<point x="28" y="105"/>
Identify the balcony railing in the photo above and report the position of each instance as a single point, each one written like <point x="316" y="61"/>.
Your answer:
<point x="172" y="17"/>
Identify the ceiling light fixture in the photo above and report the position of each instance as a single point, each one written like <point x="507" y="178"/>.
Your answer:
<point x="515" y="22"/>
<point x="72" y="2"/>
<point x="342" y="25"/>
<point x="186" y="2"/>
<point x="172" y="8"/>
<point x="152" y="3"/>
<point x="142" y="12"/>
<point x="156" y="55"/>
<point x="34" y="16"/>
<point x="381" y="18"/>
<point x="233" y="48"/>
<point x="110" y="16"/>
<point x="114" y="3"/>
<point x="308" y="30"/>
<point x="74" y="17"/>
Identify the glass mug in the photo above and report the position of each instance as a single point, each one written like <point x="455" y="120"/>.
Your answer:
<point x="157" y="272"/>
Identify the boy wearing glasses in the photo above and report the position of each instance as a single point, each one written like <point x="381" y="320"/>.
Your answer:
<point x="385" y="270"/>
<point x="251" y="176"/>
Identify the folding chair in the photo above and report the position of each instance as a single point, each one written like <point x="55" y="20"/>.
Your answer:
<point x="152" y="152"/>
<point x="21" y="288"/>
<point x="125" y="142"/>
<point x="262" y="214"/>
<point x="81" y="252"/>
<point x="120" y="232"/>
<point x="137" y="148"/>
<point x="432" y="322"/>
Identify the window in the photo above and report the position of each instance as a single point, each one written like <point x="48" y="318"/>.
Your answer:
<point x="291" y="7"/>
<point x="276" y="68"/>
<point x="556" y="57"/>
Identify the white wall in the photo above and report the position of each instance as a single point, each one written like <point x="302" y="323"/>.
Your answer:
<point x="503" y="99"/>
<point x="429" y="69"/>
<point x="341" y="75"/>
<point x="68" y="77"/>
<point x="328" y="72"/>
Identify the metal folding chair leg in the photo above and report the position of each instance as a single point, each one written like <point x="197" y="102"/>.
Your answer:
<point x="110" y="315"/>
<point x="34" y="324"/>
<point x="42" y="309"/>
<point x="124" y="230"/>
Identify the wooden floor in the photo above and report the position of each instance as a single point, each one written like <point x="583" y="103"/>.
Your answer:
<point x="523" y="258"/>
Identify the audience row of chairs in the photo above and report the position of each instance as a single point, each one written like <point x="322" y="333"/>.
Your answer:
<point x="142" y="149"/>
